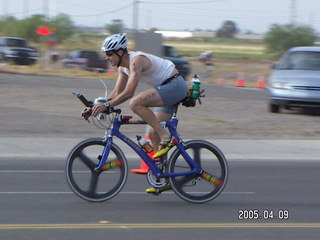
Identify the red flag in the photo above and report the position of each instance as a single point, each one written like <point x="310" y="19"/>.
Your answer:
<point x="43" y="30"/>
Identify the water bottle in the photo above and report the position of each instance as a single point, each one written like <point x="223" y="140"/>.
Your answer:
<point x="101" y="116"/>
<point x="145" y="144"/>
<point x="100" y="100"/>
<point x="195" y="94"/>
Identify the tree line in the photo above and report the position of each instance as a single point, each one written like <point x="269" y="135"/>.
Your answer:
<point x="61" y="25"/>
<point x="277" y="40"/>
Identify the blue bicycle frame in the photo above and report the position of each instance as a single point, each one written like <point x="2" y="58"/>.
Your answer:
<point x="151" y="163"/>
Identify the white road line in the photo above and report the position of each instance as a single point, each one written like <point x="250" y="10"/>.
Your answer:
<point x="43" y="171"/>
<point x="31" y="171"/>
<point x="43" y="193"/>
<point x="30" y="193"/>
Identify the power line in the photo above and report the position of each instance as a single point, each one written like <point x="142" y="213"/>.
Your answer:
<point x="104" y="13"/>
<point x="197" y="2"/>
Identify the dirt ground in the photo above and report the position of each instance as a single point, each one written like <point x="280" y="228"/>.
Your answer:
<point x="34" y="106"/>
<point x="224" y="71"/>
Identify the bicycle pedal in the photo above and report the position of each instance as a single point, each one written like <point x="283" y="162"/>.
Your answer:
<point x="157" y="192"/>
<point x="154" y="191"/>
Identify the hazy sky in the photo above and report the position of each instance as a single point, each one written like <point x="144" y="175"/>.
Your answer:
<point x="254" y="15"/>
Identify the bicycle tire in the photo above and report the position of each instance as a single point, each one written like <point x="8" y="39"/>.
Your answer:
<point x="203" y="186"/>
<point x="92" y="185"/>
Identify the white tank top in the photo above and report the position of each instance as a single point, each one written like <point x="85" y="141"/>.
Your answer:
<point x="159" y="71"/>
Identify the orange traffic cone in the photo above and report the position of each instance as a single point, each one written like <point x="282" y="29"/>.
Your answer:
<point x="220" y="80"/>
<point x="111" y="71"/>
<point x="143" y="166"/>
<point x="261" y="81"/>
<point x="240" y="79"/>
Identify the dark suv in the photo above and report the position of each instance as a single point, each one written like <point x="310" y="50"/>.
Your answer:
<point x="86" y="59"/>
<point x="16" y="50"/>
<point x="171" y="54"/>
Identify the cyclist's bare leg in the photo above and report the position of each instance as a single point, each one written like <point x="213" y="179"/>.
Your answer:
<point x="140" y="105"/>
<point x="155" y="139"/>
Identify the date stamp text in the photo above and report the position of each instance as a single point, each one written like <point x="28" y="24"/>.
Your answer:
<point x="256" y="214"/>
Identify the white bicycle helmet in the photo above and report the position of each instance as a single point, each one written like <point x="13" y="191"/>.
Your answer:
<point x="114" y="42"/>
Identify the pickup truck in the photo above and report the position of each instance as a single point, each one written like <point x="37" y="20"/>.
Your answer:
<point x="171" y="54"/>
<point x="17" y="51"/>
<point x="87" y="60"/>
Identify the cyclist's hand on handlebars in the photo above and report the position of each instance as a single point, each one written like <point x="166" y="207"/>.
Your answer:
<point x="86" y="113"/>
<point x="99" y="108"/>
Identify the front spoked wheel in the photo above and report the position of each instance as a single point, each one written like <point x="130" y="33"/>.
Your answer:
<point x="91" y="184"/>
<point x="209" y="182"/>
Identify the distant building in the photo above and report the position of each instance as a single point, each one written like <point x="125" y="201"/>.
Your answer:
<point x="175" y="34"/>
<point x="204" y="34"/>
<point x="249" y="36"/>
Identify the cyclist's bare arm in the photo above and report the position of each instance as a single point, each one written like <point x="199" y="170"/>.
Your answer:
<point x="119" y="87"/>
<point x="137" y="66"/>
<point x="120" y="84"/>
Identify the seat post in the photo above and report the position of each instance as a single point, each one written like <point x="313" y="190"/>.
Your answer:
<point x="174" y="115"/>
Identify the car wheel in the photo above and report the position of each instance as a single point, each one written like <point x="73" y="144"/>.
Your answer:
<point x="274" y="108"/>
<point x="2" y="58"/>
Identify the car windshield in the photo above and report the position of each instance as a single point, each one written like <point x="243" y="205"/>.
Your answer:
<point x="170" y="52"/>
<point x="89" y="55"/>
<point x="301" y="61"/>
<point x="16" y="43"/>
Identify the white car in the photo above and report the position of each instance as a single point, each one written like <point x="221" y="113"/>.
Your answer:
<point x="295" y="83"/>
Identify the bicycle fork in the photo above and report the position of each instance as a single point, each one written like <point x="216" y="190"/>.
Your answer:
<point x="103" y="158"/>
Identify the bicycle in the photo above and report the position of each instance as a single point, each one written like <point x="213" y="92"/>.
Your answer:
<point x="97" y="168"/>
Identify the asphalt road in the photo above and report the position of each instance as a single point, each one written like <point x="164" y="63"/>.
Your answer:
<point x="36" y="203"/>
<point x="273" y="160"/>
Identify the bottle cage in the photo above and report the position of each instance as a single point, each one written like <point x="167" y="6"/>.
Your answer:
<point x="188" y="101"/>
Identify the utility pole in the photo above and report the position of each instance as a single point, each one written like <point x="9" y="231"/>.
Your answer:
<point x="135" y="18"/>
<point x="5" y="8"/>
<point x="135" y="15"/>
<point x="293" y="12"/>
<point x="26" y="8"/>
<point x="46" y="9"/>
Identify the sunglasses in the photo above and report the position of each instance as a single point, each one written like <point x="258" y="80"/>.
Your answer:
<point x="109" y="54"/>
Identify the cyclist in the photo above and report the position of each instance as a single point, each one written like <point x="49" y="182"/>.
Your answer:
<point x="207" y="59"/>
<point x="168" y="88"/>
